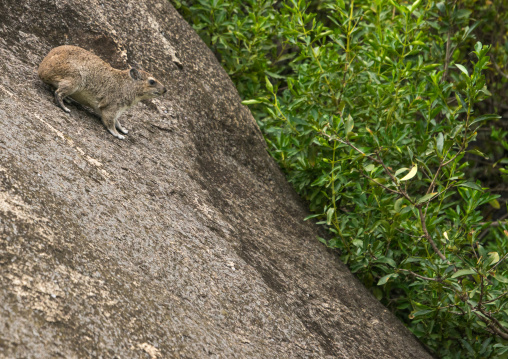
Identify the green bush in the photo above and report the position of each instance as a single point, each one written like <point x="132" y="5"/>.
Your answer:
<point x="370" y="107"/>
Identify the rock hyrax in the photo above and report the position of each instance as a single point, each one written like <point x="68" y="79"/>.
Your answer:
<point x="85" y="78"/>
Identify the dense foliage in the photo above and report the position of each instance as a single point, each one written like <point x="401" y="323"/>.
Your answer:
<point x="371" y="108"/>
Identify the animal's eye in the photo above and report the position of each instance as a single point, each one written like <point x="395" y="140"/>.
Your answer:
<point x="151" y="82"/>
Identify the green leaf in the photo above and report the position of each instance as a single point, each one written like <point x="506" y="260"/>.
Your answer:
<point x="411" y="173"/>
<point x="322" y="240"/>
<point x="349" y="125"/>
<point x="430" y="67"/>
<point x="415" y="5"/>
<point x="352" y="135"/>
<point x="250" y="102"/>
<point x="478" y="153"/>
<point x="486" y="91"/>
<point x="470" y="185"/>
<point x="385" y="279"/>
<point x="286" y="57"/>
<point x="456" y="130"/>
<point x="494" y="258"/>
<point x="460" y="100"/>
<point x="315" y="51"/>
<point x="462" y="68"/>
<point x="398" y="204"/>
<point x="311" y="216"/>
<point x="440" y="142"/>
<point x="462" y="13"/>
<point x="426" y="197"/>
<point x="495" y="204"/>
<point x="418" y="42"/>
<point x="500" y="278"/>
<point x="274" y="75"/>
<point x="369" y="167"/>
<point x="269" y="85"/>
<point x="329" y="215"/>
<point x="402" y="9"/>
<point x="463" y="272"/>
<point x="387" y="260"/>
<point x="419" y="313"/>
<point x="400" y="170"/>
<point x="412" y="260"/>
<point x="478" y="47"/>
<point x="358" y="243"/>
<point x="485" y="118"/>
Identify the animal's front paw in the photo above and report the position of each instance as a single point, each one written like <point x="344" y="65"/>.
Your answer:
<point x="123" y="130"/>
<point x="116" y="134"/>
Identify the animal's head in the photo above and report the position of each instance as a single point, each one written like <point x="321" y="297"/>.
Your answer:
<point x="147" y="86"/>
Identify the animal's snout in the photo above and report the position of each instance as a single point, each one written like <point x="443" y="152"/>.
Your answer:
<point x="164" y="90"/>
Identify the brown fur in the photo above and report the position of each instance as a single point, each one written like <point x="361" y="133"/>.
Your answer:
<point x="85" y="78"/>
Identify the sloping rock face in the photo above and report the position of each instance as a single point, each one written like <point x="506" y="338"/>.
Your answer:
<point x="182" y="241"/>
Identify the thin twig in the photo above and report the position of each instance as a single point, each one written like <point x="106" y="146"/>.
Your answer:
<point x="454" y="306"/>
<point x="381" y="185"/>
<point x="407" y="234"/>
<point x="462" y="148"/>
<point x="491" y="325"/>
<point x="493" y="224"/>
<point x="447" y="56"/>
<point x="373" y="159"/>
<point x="494" y="324"/>
<point x="501" y="72"/>
<point x="448" y="52"/>
<point x="394" y="179"/>
<point x="498" y="263"/>
<point x="480" y="301"/>
<point x="444" y="164"/>
<point x="438" y="279"/>
<point x="498" y="297"/>
<point x="429" y="238"/>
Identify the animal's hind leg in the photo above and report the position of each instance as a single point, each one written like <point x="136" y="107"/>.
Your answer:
<point x="120" y="128"/>
<point x="64" y="89"/>
<point x="108" y="116"/>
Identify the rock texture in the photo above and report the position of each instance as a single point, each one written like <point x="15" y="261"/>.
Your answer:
<point x="182" y="241"/>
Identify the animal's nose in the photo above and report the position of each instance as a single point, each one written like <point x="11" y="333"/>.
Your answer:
<point x="164" y="90"/>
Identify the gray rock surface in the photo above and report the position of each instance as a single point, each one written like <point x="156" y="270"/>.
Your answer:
<point x="182" y="241"/>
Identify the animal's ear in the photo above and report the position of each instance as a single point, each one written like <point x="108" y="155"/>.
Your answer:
<point x="134" y="73"/>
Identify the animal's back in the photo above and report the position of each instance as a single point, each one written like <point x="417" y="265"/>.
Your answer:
<point x="83" y="75"/>
<point x="69" y="61"/>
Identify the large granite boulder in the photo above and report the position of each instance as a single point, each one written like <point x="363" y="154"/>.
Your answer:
<point x="182" y="241"/>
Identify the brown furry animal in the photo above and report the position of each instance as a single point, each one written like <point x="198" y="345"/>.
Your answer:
<point x="85" y="78"/>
